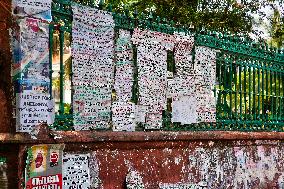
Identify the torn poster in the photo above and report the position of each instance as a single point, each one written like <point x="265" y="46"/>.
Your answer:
<point x="76" y="172"/>
<point x="31" y="74"/>
<point x="124" y="67"/>
<point x="193" y="81"/>
<point x="93" y="67"/>
<point x="94" y="166"/>
<point x="33" y="8"/>
<point x="31" y="55"/>
<point x="205" y="67"/>
<point x="123" y="116"/>
<point x="134" y="180"/>
<point x="4" y="173"/>
<point x="152" y="73"/>
<point x="182" y="88"/>
<point x="122" y="108"/>
<point x="44" y="166"/>
<point x="184" y="110"/>
<point x="183" y="56"/>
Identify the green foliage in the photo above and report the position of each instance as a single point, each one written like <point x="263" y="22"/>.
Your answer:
<point x="228" y="15"/>
<point x="277" y="30"/>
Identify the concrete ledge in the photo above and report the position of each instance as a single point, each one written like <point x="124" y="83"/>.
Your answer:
<point x="95" y="136"/>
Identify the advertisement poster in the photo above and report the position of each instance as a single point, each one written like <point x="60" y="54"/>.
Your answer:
<point x="31" y="74"/>
<point x="44" y="167"/>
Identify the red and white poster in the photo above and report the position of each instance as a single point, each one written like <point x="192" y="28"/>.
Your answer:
<point x="44" y="167"/>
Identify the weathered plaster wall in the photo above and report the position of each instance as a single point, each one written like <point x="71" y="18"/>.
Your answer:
<point x="211" y="164"/>
<point x="242" y="164"/>
<point x="5" y="67"/>
<point x="178" y="160"/>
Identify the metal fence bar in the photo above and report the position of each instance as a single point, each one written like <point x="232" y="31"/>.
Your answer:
<point x="51" y="27"/>
<point x="248" y="97"/>
<point x="61" y="72"/>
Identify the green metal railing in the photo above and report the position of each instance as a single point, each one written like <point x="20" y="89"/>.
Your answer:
<point x="250" y="76"/>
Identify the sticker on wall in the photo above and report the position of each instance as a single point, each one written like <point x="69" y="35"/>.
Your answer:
<point x="181" y="186"/>
<point x="76" y="173"/>
<point x="152" y="73"/>
<point x="92" y="66"/>
<point x="44" y="166"/>
<point x="134" y="180"/>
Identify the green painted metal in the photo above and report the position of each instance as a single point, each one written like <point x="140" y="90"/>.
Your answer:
<point x="250" y="76"/>
<point x="51" y="27"/>
<point x="61" y="72"/>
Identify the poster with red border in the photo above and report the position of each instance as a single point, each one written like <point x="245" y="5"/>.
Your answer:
<point x="44" y="167"/>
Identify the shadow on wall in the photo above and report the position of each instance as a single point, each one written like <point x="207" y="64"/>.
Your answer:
<point x="4" y="93"/>
<point x="6" y="97"/>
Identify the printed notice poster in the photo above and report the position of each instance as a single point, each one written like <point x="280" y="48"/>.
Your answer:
<point x="76" y="172"/>
<point x="33" y="109"/>
<point x="44" y="167"/>
<point x="92" y="66"/>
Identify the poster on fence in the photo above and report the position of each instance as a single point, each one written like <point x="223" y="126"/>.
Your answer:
<point x="122" y="108"/>
<point x="30" y="46"/>
<point x="44" y="166"/>
<point x="33" y="109"/>
<point x="152" y="73"/>
<point x="92" y="66"/>
<point x="33" y="8"/>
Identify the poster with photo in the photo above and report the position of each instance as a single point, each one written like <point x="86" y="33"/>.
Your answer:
<point x="44" y="166"/>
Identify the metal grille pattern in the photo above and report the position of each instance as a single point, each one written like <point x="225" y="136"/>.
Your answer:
<point x="249" y="76"/>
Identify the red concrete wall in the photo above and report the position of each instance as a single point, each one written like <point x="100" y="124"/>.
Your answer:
<point x="214" y="164"/>
<point x="5" y="68"/>
<point x="196" y="159"/>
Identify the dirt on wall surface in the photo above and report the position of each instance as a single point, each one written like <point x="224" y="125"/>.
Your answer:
<point x="168" y="160"/>
<point x="5" y="68"/>
<point x="193" y="164"/>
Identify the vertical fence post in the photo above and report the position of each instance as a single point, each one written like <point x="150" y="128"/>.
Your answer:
<point x="51" y="27"/>
<point x="262" y="90"/>
<point x="249" y="91"/>
<point x="61" y="72"/>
